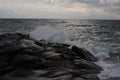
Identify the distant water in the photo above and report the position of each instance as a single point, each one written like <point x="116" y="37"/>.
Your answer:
<point x="101" y="36"/>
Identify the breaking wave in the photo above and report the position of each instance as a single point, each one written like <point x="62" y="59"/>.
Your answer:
<point x="50" y="34"/>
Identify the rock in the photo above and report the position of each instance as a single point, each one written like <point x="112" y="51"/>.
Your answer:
<point x="64" y="77"/>
<point x="65" y="52"/>
<point x="3" y="78"/>
<point x="52" y="55"/>
<point x="5" y="70"/>
<point x="42" y="42"/>
<point x="53" y="74"/>
<point x="83" y="53"/>
<point x="91" y="77"/>
<point x="21" y="73"/>
<point x="26" y="61"/>
<point x="14" y="36"/>
<point x="78" y="78"/>
<point x="21" y="56"/>
<point x="87" y="65"/>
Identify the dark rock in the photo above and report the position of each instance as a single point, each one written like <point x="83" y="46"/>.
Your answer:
<point x="3" y="78"/>
<point x="26" y="61"/>
<point x="53" y="74"/>
<point x="87" y="65"/>
<point x="85" y="54"/>
<point x="91" y="77"/>
<point x="79" y="73"/>
<point x="21" y="73"/>
<point x="20" y="56"/>
<point x="64" y="77"/>
<point x="78" y="78"/>
<point x="52" y="55"/>
<point x="5" y="70"/>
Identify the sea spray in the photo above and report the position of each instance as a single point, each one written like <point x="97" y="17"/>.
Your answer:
<point x="50" y="34"/>
<point x="110" y="68"/>
<point x="56" y="35"/>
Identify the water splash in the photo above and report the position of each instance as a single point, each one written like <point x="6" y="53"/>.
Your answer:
<point x="51" y="34"/>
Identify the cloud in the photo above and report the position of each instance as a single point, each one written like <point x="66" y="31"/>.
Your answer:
<point x="92" y="9"/>
<point x="109" y="7"/>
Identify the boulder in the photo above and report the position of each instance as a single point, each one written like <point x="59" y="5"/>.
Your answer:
<point x="83" y="53"/>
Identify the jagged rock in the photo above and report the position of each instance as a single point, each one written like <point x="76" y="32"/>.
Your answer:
<point x="64" y="77"/>
<point x="5" y="69"/>
<point x="90" y="77"/>
<point x="21" y="73"/>
<point x="26" y="61"/>
<point x="53" y="74"/>
<point x="83" y="64"/>
<point x="3" y="78"/>
<point x="79" y="78"/>
<point x="83" y="53"/>
<point x="57" y="61"/>
<point x="52" y="55"/>
<point x="14" y="36"/>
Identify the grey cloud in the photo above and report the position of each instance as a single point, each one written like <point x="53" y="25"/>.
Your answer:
<point x="113" y="10"/>
<point x="109" y="6"/>
<point x="6" y="13"/>
<point x="83" y="1"/>
<point x="99" y="2"/>
<point x="87" y="1"/>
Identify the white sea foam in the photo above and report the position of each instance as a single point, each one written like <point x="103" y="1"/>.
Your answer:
<point x="110" y="70"/>
<point x="102" y="56"/>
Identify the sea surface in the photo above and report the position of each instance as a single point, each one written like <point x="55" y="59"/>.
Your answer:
<point x="101" y="37"/>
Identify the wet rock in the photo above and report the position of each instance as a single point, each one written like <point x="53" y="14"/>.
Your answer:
<point x="91" y="77"/>
<point x="64" y="77"/>
<point x="79" y="78"/>
<point x="87" y="65"/>
<point x="85" y="54"/>
<point x="21" y="73"/>
<point x="14" y="36"/>
<point x="53" y="74"/>
<point x="26" y="61"/>
<point x="21" y="55"/>
<point x="6" y="69"/>
<point x="3" y="78"/>
<point x="52" y="55"/>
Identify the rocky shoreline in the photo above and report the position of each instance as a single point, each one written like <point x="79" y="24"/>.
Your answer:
<point x="23" y="57"/>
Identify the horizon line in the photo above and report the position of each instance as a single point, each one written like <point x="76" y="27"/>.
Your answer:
<point x="59" y="18"/>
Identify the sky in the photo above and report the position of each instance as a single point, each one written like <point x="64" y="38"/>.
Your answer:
<point x="60" y="9"/>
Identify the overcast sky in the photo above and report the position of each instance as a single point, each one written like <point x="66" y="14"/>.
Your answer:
<point x="75" y="9"/>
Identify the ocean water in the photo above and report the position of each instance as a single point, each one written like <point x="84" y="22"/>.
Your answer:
<point x="101" y="37"/>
